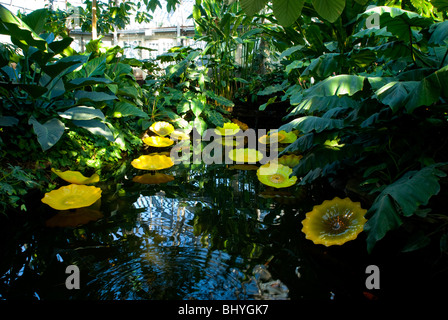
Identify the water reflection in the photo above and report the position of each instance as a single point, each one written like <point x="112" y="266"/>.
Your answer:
<point x="163" y="257"/>
<point x="209" y="233"/>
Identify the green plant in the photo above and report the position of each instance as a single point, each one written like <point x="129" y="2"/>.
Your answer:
<point x="14" y="184"/>
<point x="375" y="118"/>
<point x="234" y="45"/>
<point x="64" y="109"/>
<point x="182" y="94"/>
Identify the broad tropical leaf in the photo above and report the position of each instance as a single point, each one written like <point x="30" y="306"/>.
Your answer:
<point x="49" y="133"/>
<point x="337" y="85"/>
<point x="398" y="21"/>
<point x="329" y="9"/>
<point x="385" y="218"/>
<point x="251" y="7"/>
<point x="395" y="94"/>
<point x="82" y="82"/>
<point x="401" y="198"/>
<point x="126" y="109"/>
<point x="311" y="123"/>
<point x="439" y="33"/>
<point x="94" y="96"/>
<point x="97" y="127"/>
<point x="21" y="34"/>
<point x="82" y="113"/>
<point x="287" y="11"/>
<point x="441" y="5"/>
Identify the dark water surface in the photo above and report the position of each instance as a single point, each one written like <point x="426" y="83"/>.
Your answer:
<point x="212" y="233"/>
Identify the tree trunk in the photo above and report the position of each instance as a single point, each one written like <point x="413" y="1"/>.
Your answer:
<point x="94" y="21"/>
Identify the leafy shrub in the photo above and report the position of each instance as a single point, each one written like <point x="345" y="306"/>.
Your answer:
<point x="376" y="117"/>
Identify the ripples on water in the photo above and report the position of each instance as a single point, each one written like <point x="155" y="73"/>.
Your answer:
<point x="161" y="258"/>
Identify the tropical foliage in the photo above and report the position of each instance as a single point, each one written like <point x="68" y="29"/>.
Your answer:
<point x="369" y="103"/>
<point x="371" y="107"/>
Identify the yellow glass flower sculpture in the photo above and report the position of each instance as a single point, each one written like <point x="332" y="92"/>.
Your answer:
<point x="272" y="136"/>
<point x="290" y="137"/>
<point x="334" y="222"/>
<point x="72" y="196"/>
<point x="156" y="141"/>
<point x="245" y="155"/>
<point x="156" y="178"/>
<point x="229" y="142"/>
<point x="228" y="129"/>
<point x="152" y="162"/>
<point x="240" y="124"/>
<point x="179" y="135"/>
<point x="290" y="160"/>
<point x="76" y="177"/>
<point x="162" y="128"/>
<point x="276" y="175"/>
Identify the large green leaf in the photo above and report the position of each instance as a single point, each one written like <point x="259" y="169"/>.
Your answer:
<point x="385" y="218"/>
<point x="322" y="104"/>
<point x="251" y="7"/>
<point x="323" y="66"/>
<point x="287" y="11"/>
<point x="337" y="85"/>
<point x="97" y="127"/>
<point x="441" y="5"/>
<point x="82" y="113"/>
<point x="21" y="34"/>
<point x="197" y="106"/>
<point x="401" y="198"/>
<point x="126" y="109"/>
<point x="311" y="123"/>
<point x="6" y="121"/>
<point x="429" y="90"/>
<point x="95" y="67"/>
<point x="200" y="125"/>
<point x="395" y="94"/>
<point x="219" y="99"/>
<point x="82" y="82"/>
<point x="36" y="20"/>
<point x="64" y="65"/>
<point x="215" y="117"/>
<point x="323" y="160"/>
<point x="94" y="96"/>
<point x="426" y="93"/>
<point x="439" y="33"/>
<point x="329" y="9"/>
<point x="399" y="21"/>
<point x="49" y="133"/>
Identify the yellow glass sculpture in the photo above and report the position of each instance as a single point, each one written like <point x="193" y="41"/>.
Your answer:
<point x="72" y="196"/>
<point x="272" y="137"/>
<point x="334" y="222"/>
<point x="230" y="141"/>
<point x="152" y="162"/>
<point x="156" y="178"/>
<point x="179" y="135"/>
<point x="290" y="160"/>
<point x="162" y="128"/>
<point x="156" y="141"/>
<point x="276" y="175"/>
<point x="240" y="124"/>
<point x="290" y="137"/>
<point x="245" y="155"/>
<point x="228" y="129"/>
<point x="76" y="177"/>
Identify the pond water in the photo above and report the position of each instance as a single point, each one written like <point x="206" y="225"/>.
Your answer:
<point x="214" y="232"/>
